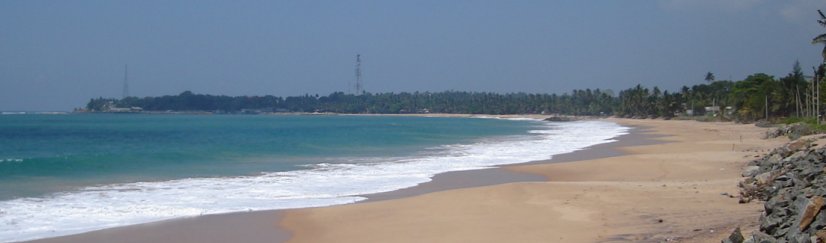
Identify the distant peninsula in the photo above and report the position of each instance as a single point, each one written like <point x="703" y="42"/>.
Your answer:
<point x="758" y="96"/>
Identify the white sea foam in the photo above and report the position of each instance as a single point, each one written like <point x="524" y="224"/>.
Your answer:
<point x="323" y="184"/>
<point x="10" y="160"/>
<point x="12" y="113"/>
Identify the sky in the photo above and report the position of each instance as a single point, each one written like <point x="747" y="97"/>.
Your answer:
<point x="56" y="55"/>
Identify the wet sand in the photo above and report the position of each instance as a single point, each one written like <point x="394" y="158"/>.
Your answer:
<point x="252" y="227"/>
<point x="501" y="175"/>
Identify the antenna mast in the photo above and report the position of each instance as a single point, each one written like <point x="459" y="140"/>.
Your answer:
<point x="126" y="81"/>
<point x="359" y="88"/>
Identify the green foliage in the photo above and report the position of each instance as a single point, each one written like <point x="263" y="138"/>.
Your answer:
<point x="792" y="120"/>
<point x="579" y="102"/>
<point x="99" y="104"/>
<point x="750" y="96"/>
<point x="747" y="99"/>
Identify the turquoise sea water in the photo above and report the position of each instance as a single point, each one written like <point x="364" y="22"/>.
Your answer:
<point x="65" y="174"/>
<point x="47" y="153"/>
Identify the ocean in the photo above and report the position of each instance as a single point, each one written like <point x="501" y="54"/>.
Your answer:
<point x="66" y="174"/>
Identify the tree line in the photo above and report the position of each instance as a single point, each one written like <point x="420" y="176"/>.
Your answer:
<point x="580" y="102"/>
<point x="756" y="97"/>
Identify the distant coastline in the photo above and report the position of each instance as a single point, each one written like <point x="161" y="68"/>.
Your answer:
<point x="723" y="100"/>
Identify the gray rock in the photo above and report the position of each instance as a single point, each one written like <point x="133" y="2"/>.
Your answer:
<point x="774" y="159"/>
<point x="796" y="156"/>
<point x="760" y="237"/>
<point x="814" y="158"/>
<point x="734" y="237"/>
<point x="796" y="209"/>
<point x="792" y="182"/>
<point x="801" y="238"/>
<point x="797" y="145"/>
<point x="750" y="171"/>
<point x="810" y="211"/>
<point x="819" y="223"/>
<point x="775" y="203"/>
<point x="764" y="178"/>
<point x="818" y="190"/>
<point x="771" y="224"/>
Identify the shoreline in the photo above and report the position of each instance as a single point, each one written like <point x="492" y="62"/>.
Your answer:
<point x="636" y="135"/>
<point x="206" y="228"/>
<point x="605" y="192"/>
<point x="674" y="189"/>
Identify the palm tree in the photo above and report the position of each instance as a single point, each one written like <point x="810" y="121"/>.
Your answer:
<point x="821" y="39"/>
<point x="709" y="77"/>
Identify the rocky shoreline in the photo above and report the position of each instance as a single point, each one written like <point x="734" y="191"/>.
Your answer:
<point x="791" y="180"/>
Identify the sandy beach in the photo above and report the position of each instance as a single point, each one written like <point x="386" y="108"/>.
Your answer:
<point x="666" y="191"/>
<point x="664" y="181"/>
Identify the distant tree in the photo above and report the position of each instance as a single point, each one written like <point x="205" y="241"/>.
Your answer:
<point x="709" y="77"/>
<point x="794" y="87"/>
<point x="750" y="96"/>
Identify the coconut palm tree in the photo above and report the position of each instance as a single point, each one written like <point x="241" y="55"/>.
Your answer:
<point x="821" y="39"/>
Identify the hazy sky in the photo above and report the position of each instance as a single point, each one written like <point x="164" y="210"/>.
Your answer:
<point x="55" y="55"/>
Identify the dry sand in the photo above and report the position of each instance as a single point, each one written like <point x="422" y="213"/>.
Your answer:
<point x="657" y="192"/>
